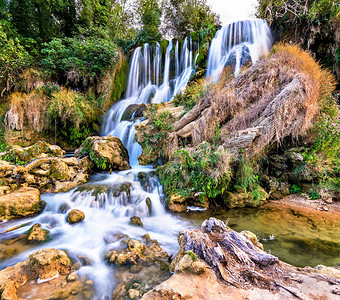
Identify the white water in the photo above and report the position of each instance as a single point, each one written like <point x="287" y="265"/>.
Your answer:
<point x="153" y="77"/>
<point x="237" y="44"/>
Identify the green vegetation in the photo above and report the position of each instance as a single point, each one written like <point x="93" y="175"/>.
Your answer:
<point x="192" y="94"/>
<point x="154" y="141"/>
<point x="295" y="189"/>
<point x="200" y="172"/>
<point x="313" y="24"/>
<point x="247" y="181"/>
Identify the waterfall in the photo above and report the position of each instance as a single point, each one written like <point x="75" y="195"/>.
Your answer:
<point x="155" y="78"/>
<point x="109" y="200"/>
<point x="237" y="44"/>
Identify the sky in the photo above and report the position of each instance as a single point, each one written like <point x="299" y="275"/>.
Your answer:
<point x="233" y="10"/>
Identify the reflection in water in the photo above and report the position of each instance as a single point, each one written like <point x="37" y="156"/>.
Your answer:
<point x="297" y="236"/>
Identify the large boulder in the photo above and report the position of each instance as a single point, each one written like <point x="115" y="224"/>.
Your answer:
<point x="44" y="275"/>
<point x="22" y="203"/>
<point x="107" y="153"/>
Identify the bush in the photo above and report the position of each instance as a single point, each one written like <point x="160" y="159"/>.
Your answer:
<point x="295" y="189"/>
<point x="248" y="181"/>
<point x="13" y="58"/>
<point x="203" y="171"/>
<point x="192" y="94"/>
<point x="155" y="138"/>
<point x="73" y="114"/>
<point x="79" y="61"/>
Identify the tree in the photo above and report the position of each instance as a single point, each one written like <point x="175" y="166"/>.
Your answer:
<point x="184" y="16"/>
<point x="150" y="14"/>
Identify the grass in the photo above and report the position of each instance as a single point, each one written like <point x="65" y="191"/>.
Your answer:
<point x="200" y="172"/>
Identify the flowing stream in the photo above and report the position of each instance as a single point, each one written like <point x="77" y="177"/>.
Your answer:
<point x="155" y="76"/>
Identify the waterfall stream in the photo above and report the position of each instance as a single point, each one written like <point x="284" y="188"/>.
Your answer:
<point x="155" y="76"/>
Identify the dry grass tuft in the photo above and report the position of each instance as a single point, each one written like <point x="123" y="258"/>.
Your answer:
<point x="279" y="96"/>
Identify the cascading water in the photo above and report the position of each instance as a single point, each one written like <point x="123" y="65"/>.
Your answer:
<point x="237" y="44"/>
<point x="109" y="200"/>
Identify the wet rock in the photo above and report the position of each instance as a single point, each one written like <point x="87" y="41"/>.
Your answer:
<point x="136" y="221"/>
<point x="146" y="180"/>
<point x="149" y="205"/>
<point x="37" y="234"/>
<point x="106" y="153"/>
<point x="22" y="203"/>
<point x="133" y="294"/>
<point x="75" y="216"/>
<point x="72" y="277"/>
<point x="177" y="203"/>
<point x="119" y="292"/>
<point x="133" y="111"/>
<point x="52" y="268"/>
<point x="63" y="208"/>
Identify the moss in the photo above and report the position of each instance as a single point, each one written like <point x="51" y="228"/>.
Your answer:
<point x="192" y="255"/>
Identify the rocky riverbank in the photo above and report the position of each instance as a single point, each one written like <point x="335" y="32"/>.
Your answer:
<point x="219" y="263"/>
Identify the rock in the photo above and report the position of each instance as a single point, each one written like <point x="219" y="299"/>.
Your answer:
<point x="119" y="292"/>
<point x="106" y="153"/>
<point x="37" y="234"/>
<point x="136" y="221"/>
<point x="133" y="294"/>
<point x="59" y="170"/>
<point x="149" y="205"/>
<point x="22" y="203"/>
<point x="63" y="208"/>
<point x="50" y="265"/>
<point x="75" y="216"/>
<point x="177" y="203"/>
<point x="72" y="276"/>
<point x="133" y="111"/>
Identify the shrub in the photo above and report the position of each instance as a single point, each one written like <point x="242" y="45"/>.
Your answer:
<point x="192" y="94"/>
<point x="248" y="181"/>
<point x="313" y="195"/>
<point x="202" y="171"/>
<point x="155" y="137"/>
<point x="295" y="189"/>
<point x="79" y="61"/>
<point x="73" y="114"/>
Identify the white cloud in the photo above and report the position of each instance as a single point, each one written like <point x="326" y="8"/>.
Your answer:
<point x="234" y="10"/>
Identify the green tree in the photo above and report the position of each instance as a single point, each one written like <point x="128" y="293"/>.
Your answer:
<point x="150" y="14"/>
<point x="13" y="58"/>
<point x="184" y="16"/>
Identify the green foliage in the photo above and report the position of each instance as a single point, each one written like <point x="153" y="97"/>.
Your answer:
<point x="295" y="189"/>
<point x="183" y="17"/>
<point x="159" y="126"/>
<point x="77" y="60"/>
<point x="13" y="57"/>
<point x="73" y="113"/>
<point x="192" y="255"/>
<point x="313" y="195"/>
<point x="203" y="172"/>
<point x="247" y="180"/>
<point x="151" y="17"/>
<point x="192" y="94"/>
